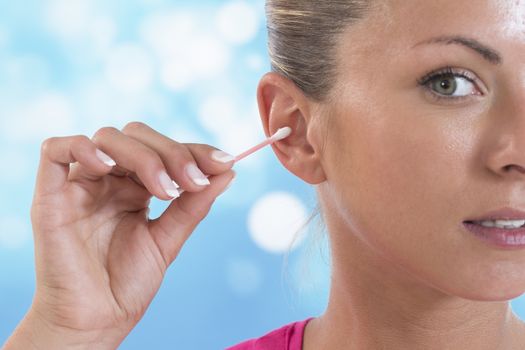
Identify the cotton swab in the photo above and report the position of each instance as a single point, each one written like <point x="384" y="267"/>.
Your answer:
<point x="280" y="134"/>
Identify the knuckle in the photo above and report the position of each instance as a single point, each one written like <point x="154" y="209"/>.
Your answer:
<point x="82" y="140"/>
<point x="193" y="215"/>
<point x="201" y="150"/>
<point x="104" y="132"/>
<point x="134" y="126"/>
<point x="197" y="146"/>
<point x="202" y="212"/>
<point x="150" y="159"/>
<point x="181" y="151"/>
<point x="48" y="144"/>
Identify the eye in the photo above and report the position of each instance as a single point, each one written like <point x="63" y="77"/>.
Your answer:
<point x="450" y="84"/>
<point x="453" y="85"/>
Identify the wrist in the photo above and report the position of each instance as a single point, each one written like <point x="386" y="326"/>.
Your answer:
<point x="36" y="333"/>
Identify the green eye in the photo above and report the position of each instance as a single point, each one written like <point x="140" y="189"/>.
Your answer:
<point x="445" y="85"/>
<point x="452" y="85"/>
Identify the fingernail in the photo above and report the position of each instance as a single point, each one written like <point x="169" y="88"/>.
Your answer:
<point x="169" y="186"/>
<point x="221" y="156"/>
<point x="196" y="175"/>
<point x="105" y="158"/>
<point x="229" y="184"/>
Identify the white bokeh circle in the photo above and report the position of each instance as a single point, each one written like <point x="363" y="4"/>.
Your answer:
<point x="186" y="50"/>
<point x="129" y="68"/>
<point x="168" y="33"/>
<point x="102" y="34"/>
<point x="50" y="114"/>
<point x="68" y="19"/>
<point x="275" y="220"/>
<point x="238" y="22"/>
<point x="175" y="76"/>
<point x="207" y="56"/>
<point x="218" y="112"/>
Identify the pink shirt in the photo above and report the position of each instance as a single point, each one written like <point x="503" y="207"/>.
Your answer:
<point x="289" y="337"/>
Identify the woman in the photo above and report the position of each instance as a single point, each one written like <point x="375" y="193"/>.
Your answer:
<point x="409" y="116"/>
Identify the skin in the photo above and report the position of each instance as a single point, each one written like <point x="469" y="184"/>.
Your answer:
<point x="94" y="242"/>
<point x="396" y="170"/>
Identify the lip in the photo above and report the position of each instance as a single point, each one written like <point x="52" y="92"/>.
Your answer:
<point x="505" y="213"/>
<point x="498" y="237"/>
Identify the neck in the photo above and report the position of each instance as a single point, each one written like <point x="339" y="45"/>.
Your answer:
<point x="375" y="305"/>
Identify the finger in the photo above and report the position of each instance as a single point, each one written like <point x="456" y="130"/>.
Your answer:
<point x="180" y="158"/>
<point x="171" y="230"/>
<point x="78" y="171"/>
<point x="57" y="153"/>
<point x="121" y="172"/>
<point x="137" y="158"/>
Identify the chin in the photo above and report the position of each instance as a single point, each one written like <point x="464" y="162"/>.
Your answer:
<point x="496" y="295"/>
<point x="493" y="291"/>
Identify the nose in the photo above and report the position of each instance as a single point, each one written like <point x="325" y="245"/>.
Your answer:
<point x="507" y="157"/>
<point x="508" y="162"/>
<point x="513" y="167"/>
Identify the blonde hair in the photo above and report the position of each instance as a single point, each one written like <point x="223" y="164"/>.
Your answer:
<point x="302" y="38"/>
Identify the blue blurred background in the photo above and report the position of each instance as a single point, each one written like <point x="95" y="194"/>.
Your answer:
<point x="189" y="69"/>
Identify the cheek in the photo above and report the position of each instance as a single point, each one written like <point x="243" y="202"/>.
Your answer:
<point x="403" y="188"/>
<point x="404" y="175"/>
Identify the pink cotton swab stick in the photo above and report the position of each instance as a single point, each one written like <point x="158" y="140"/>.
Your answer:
<point x="280" y="134"/>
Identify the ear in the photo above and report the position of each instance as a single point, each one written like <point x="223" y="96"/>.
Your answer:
<point x="282" y="103"/>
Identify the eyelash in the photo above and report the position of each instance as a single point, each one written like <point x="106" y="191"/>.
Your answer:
<point x="446" y="72"/>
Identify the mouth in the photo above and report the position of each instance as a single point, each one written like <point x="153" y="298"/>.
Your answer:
<point x="507" y="234"/>
<point x="501" y="223"/>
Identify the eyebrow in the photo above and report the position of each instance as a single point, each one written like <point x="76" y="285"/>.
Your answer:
<point x="489" y="54"/>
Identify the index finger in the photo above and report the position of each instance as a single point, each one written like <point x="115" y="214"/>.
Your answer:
<point x="177" y="156"/>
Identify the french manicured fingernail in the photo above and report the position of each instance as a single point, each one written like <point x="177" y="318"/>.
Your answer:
<point x="169" y="186"/>
<point x="221" y="156"/>
<point x="105" y="158"/>
<point x="229" y="184"/>
<point x="196" y="175"/>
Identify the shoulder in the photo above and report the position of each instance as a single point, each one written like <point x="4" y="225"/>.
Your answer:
<point x="289" y="337"/>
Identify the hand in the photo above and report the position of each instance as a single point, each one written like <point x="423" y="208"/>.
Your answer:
<point x="99" y="259"/>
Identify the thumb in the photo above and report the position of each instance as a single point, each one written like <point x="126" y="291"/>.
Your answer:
<point x="171" y="230"/>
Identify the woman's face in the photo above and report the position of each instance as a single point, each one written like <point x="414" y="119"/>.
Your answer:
<point x="429" y="113"/>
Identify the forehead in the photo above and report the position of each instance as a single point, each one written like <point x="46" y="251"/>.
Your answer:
<point x="393" y="27"/>
<point x="413" y="20"/>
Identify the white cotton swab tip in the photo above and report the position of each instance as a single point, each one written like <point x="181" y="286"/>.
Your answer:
<point x="282" y="133"/>
<point x="277" y="136"/>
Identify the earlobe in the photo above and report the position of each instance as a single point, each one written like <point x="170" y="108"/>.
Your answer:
<point x="281" y="104"/>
